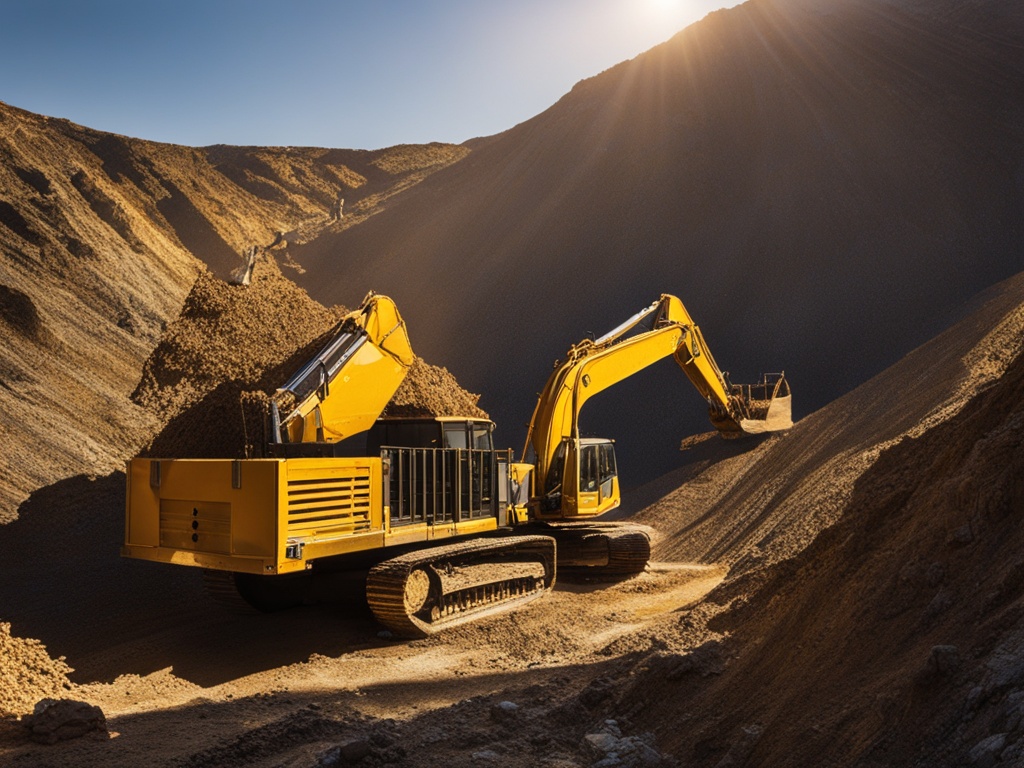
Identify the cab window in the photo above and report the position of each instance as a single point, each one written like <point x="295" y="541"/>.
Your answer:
<point x="607" y="461"/>
<point x="482" y="437"/>
<point x="588" y="469"/>
<point x="555" y="472"/>
<point x="455" y="436"/>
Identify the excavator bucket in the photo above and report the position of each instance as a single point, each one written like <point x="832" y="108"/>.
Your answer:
<point x="768" y="405"/>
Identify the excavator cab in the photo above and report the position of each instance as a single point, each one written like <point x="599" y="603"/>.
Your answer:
<point x="583" y="481"/>
<point x="599" y="480"/>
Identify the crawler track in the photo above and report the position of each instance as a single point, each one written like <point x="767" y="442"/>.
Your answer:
<point x="602" y="549"/>
<point x="221" y="587"/>
<point x="425" y="591"/>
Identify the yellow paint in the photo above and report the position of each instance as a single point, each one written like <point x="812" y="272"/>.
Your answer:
<point x="332" y="506"/>
<point x="350" y="402"/>
<point x="593" y="366"/>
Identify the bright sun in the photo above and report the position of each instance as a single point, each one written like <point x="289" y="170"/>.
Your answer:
<point x="671" y="12"/>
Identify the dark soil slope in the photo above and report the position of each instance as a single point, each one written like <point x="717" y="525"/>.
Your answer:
<point x="822" y="183"/>
<point x="749" y="504"/>
<point x="896" y="637"/>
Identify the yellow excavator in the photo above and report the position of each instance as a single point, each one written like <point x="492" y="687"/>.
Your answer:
<point x="575" y="477"/>
<point x="435" y="524"/>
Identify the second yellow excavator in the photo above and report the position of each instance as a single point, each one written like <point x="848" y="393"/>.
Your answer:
<point x="574" y="477"/>
<point x="436" y="525"/>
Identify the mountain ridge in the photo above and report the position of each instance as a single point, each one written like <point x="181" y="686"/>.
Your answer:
<point x="822" y="184"/>
<point x="101" y="238"/>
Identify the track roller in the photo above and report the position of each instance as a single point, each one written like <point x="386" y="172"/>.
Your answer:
<point x="424" y="591"/>
<point x="602" y="549"/>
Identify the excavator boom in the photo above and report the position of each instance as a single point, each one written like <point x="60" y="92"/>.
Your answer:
<point x="565" y="472"/>
<point x="342" y="390"/>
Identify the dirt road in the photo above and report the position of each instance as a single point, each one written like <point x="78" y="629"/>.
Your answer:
<point x="177" y="677"/>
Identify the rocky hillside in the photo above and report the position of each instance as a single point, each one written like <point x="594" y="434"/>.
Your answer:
<point x="822" y="183"/>
<point x="894" y="636"/>
<point x="101" y="238"/>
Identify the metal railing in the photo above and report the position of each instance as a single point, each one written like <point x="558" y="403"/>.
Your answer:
<point x="439" y="485"/>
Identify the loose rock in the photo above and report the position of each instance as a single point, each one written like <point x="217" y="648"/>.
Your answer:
<point x="944" y="660"/>
<point x="742" y="747"/>
<point x="504" y="712"/>
<point x="58" y="720"/>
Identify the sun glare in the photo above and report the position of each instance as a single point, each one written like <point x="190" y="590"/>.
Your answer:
<point x="672" y="15"/>
<point x="664" y="6"/>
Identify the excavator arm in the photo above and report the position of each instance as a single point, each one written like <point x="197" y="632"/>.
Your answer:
<point x="343" y="389"/>
<point x="595" y="365"/>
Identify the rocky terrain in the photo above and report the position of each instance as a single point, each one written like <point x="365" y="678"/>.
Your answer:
<point x="832" y="187"/>
<point x="101" y="239"/>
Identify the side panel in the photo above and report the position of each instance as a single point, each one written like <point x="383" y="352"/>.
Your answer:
<point x="275" y="516"/>
<point x="212" y="513"/>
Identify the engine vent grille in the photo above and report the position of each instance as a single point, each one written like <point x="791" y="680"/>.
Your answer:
<point x="336" y="503"/>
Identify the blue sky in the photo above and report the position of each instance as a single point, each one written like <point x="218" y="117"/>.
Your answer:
<point x="312" y="72"/>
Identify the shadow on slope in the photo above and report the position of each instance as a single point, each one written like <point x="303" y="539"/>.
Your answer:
<point x="698" y="454"/>
<point x="414" y="723"/>
<point x="896" y="637"/>
<point x="111" y="616"/>
<point x="765" y="505"/>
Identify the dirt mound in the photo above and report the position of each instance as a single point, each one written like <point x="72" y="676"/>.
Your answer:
<point x="228" y="341"/>
<point x="210" y="376"/>
<point x="430" y="390"/>
<point x="230" y="333"/>
<point x="28" y="673"/>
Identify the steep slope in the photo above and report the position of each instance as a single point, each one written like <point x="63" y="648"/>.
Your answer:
<point x="86" y="280"/>
<point x="820" y="182"/>
<point x="101" y="237"/>
<point x="895" y="638"/>
<point x="751" y="508"/>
